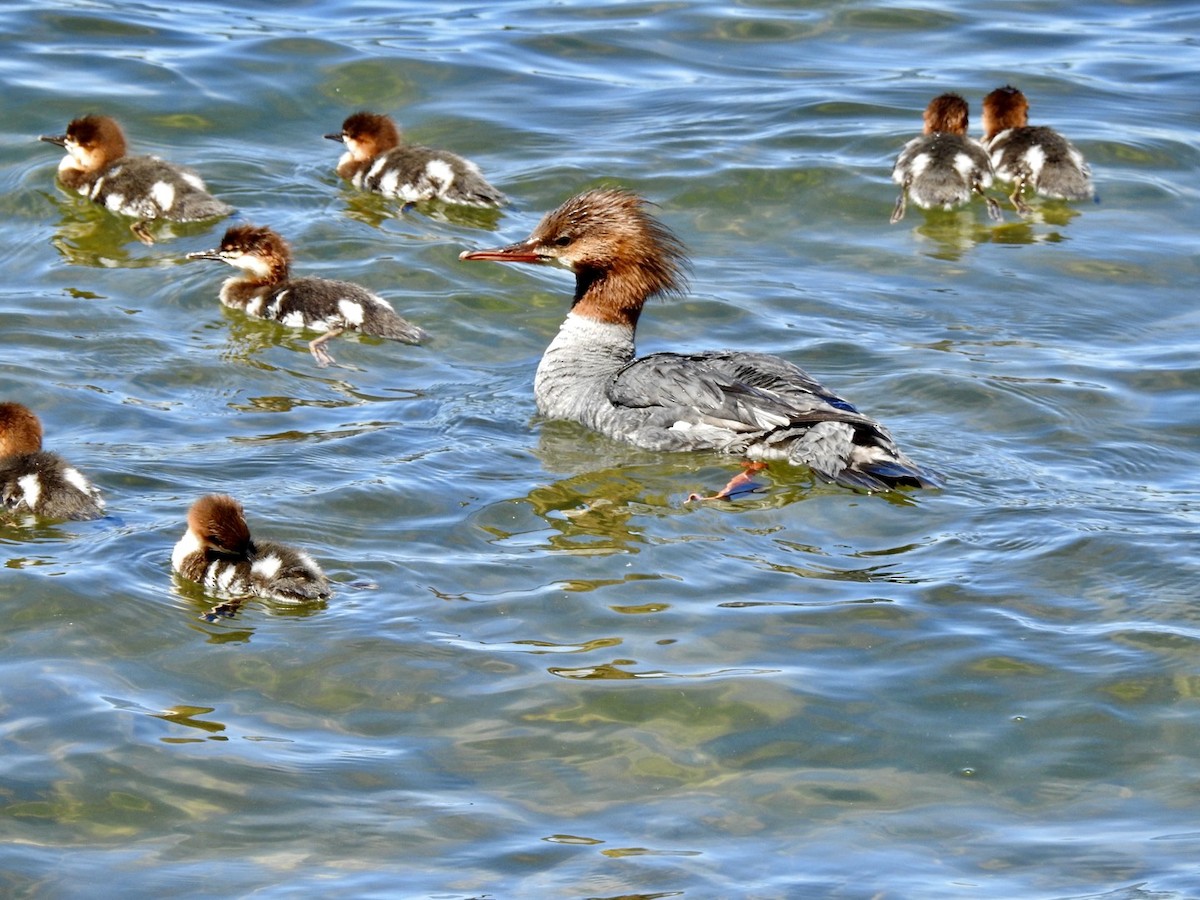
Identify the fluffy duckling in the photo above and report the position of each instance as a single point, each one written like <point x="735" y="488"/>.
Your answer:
<point x="943" y="167"/>
<point x="217" y="552"/>
<point x="36" y="481"/>
<point x="1033" y="155"/>
<point x="377" y="160"/>
<point x="144" y="187"/>
<point x="265" y="289"/>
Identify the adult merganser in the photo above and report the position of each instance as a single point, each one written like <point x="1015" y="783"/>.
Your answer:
<point x="377" y="160"/>
<point x="943" y="167"/>
<point x="217" y="552"/>
<point x="1031" y="154"/>
<point x="749" y="404"/>
<point x="36" y="481"/>
<point x="144" y="187"/>
<point x="265" y="290"/>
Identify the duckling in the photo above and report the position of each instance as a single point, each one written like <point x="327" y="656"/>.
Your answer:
<point x="217" y="552"/>
<point x="377" y="160"/>
<point x="144" y="187"/>
<point x="36" y="481"/>
<point x="266" y="290"/>
<point x="1033" y="155"/>
<point x="943" y="167"/>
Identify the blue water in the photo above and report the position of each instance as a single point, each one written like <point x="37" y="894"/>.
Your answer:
<point x="544" y="673"/>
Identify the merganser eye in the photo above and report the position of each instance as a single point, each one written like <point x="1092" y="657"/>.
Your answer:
<point x="562" y="240"/>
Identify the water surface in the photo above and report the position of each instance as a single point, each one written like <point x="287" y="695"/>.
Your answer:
<point x="544" y="673"/>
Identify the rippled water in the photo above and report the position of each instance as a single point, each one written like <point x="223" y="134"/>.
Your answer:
<point x="544" y="674"/>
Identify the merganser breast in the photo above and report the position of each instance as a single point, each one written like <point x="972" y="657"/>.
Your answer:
<point x="378" y="160"/>
<point x="1032" y="155"/>
<point x="747" y="404"/>
<point x="145" y="187"/>
<point x="264" y="289"/>
<point x="218" y="553"/>
<point x="943" y="168"/>
<point x="33" y="480"/>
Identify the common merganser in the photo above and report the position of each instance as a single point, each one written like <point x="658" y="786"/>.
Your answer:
<point x="377" y="160"/>
<point x="748" y="404"/>
<point x="265" y="290"/>
<point x="1034" y="155"/>
<point x="144" y="187"/>
<point x="36" y="481"/>
<point x="217" y="552"/>
<point x="943" y="167"/>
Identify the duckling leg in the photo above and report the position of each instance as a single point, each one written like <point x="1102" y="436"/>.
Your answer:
<point x="1018" y="201"/>
<point x="901" y="204"/>
<point x="993" y="207"/>
<point x="141" y="231"/>
<point x="317" y="347"/>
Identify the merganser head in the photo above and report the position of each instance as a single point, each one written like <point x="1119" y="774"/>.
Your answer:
<point x="620" y="254"/>
<point x="92" y="142"/>
<point x="218" y="523"/>
<point x="1004" y="108"/>
<point x="20" y="430"/>
<point x="946" y="113"/>
<point x="366" y="135"/>
<point x="258" y="251"/>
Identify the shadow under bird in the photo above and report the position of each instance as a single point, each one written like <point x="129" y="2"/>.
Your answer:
<point x="378" y="160"/>
<point x="218" y="553"/>
<point x="265" y="289"/>
<point x="943" y="167"/>
<point x="751" y="405"/>
<point x="1032" y="155"/>
<point x="144" y="187"/>
<point x="34" y="480"/>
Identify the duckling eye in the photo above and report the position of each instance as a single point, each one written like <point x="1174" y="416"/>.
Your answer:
<point x="562" y="240"/>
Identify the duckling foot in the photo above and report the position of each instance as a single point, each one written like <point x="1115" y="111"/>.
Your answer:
<point x="141" y="231"/>
<point x="898" y="211"/>
<point x="226" y="610"/>
<point x="741" y="483"/>
<point x="1018" y="201"/>
<point x="317" y="347"/>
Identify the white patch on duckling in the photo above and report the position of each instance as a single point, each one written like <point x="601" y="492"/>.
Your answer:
<point x="440" y="172"/>
<point x="266" y="568"/>
<point x="163" y="194"/>
<point x="351" y="311"/>
<point x="31" y="487"/>
<point x="186" y="546"/>
<point x="390" y="183"/>
<point x="75" y="477"/>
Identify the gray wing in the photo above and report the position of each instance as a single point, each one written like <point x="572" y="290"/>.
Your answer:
<point x="748" y="392"/>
